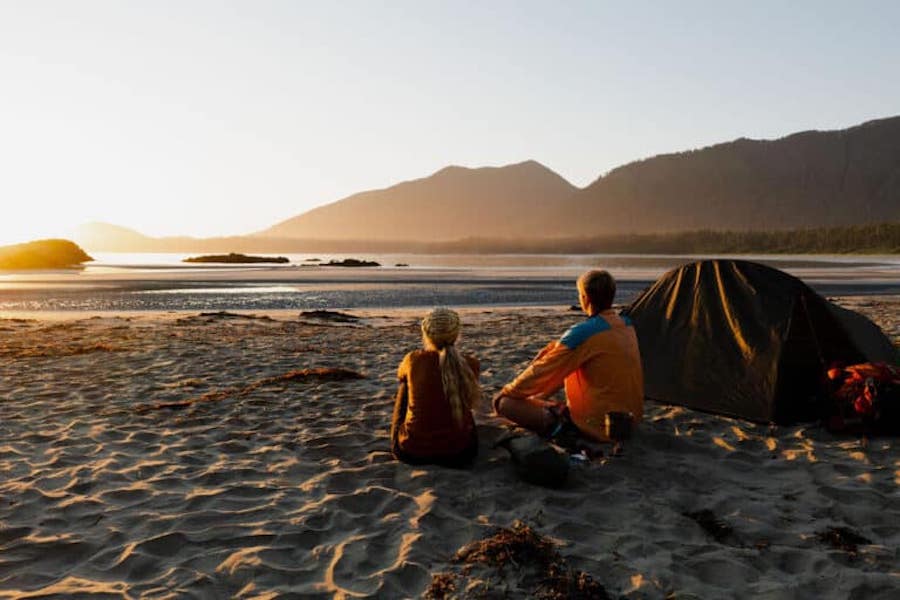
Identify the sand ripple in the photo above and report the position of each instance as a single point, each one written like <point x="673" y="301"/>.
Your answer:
<point x="288" y="490"/>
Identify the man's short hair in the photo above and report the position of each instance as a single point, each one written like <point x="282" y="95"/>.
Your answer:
<point x="599" y="287"/>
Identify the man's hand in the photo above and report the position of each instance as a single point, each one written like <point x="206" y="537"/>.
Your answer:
<point x="495" y="400"/>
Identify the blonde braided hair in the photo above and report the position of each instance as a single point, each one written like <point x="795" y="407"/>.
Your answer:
<point x="440" y="329"/>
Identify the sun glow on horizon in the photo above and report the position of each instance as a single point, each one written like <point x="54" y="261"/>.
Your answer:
<point x="209" y="119"/>
<point x="19" y="230"/>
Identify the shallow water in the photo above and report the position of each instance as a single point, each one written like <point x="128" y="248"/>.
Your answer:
<point x="136" y="282"/>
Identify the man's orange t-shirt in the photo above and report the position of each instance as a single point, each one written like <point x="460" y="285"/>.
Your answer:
<point x="599" y="363"/>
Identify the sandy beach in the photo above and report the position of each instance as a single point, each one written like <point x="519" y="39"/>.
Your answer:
<point x="171" y="455"/>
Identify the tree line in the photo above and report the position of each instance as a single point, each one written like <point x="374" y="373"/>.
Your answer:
<point x="881" y="238"/>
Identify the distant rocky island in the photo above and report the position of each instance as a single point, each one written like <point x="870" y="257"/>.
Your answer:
<point x="352" y="262"/>
<point x="235" y="258"/>
<point x="43" y="254"/>
<point x="315" y="263"/>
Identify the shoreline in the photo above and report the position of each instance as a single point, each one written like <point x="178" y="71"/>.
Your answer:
<point x="342" y="296"/>
<point x="370" y="316"/>
<point x="499" y="281"/>
<point x="852" y="300"/>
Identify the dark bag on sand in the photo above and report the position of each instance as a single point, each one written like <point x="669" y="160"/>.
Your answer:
<point x="537" y="461"/>
<point x="866" y="399"/>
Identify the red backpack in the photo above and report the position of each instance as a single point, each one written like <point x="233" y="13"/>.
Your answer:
<point x="865" y="398"/>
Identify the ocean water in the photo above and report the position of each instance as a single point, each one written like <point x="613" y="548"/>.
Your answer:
<point x="162" y="282"/>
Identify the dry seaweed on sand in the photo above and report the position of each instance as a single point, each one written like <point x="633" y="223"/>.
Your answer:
<point x="842" y="538"/>
<point x="332" y="316"/>
<point x="56" y="350"/>
<point x="321" y="374"/>
<point x="539" y="570"/>
<point x="220" y="316"/>
<point x="443" y="585"/>
<point x="224" y="314"/>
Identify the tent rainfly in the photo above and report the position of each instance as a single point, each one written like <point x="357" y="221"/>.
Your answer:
<point x="745" y="340"/>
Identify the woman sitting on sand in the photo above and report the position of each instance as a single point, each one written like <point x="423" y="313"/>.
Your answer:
<point x="432" y="420"/>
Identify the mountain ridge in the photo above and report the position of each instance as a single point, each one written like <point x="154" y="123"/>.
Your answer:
<point x="806" y="179"/>
<point x="452" y="195"/>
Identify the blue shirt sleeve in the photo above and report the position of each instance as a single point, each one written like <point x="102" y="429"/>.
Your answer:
<point x="581" y="332"/>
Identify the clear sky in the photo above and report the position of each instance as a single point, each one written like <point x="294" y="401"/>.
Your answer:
<point x="216" y="118"/>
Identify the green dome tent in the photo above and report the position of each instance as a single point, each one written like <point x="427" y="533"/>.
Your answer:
<point x="745" y="340"/>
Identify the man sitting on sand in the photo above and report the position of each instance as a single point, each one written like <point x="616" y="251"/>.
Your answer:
<point x="598" y="362"/>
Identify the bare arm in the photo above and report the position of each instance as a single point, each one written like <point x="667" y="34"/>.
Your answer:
<point x="400" y="406"/>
